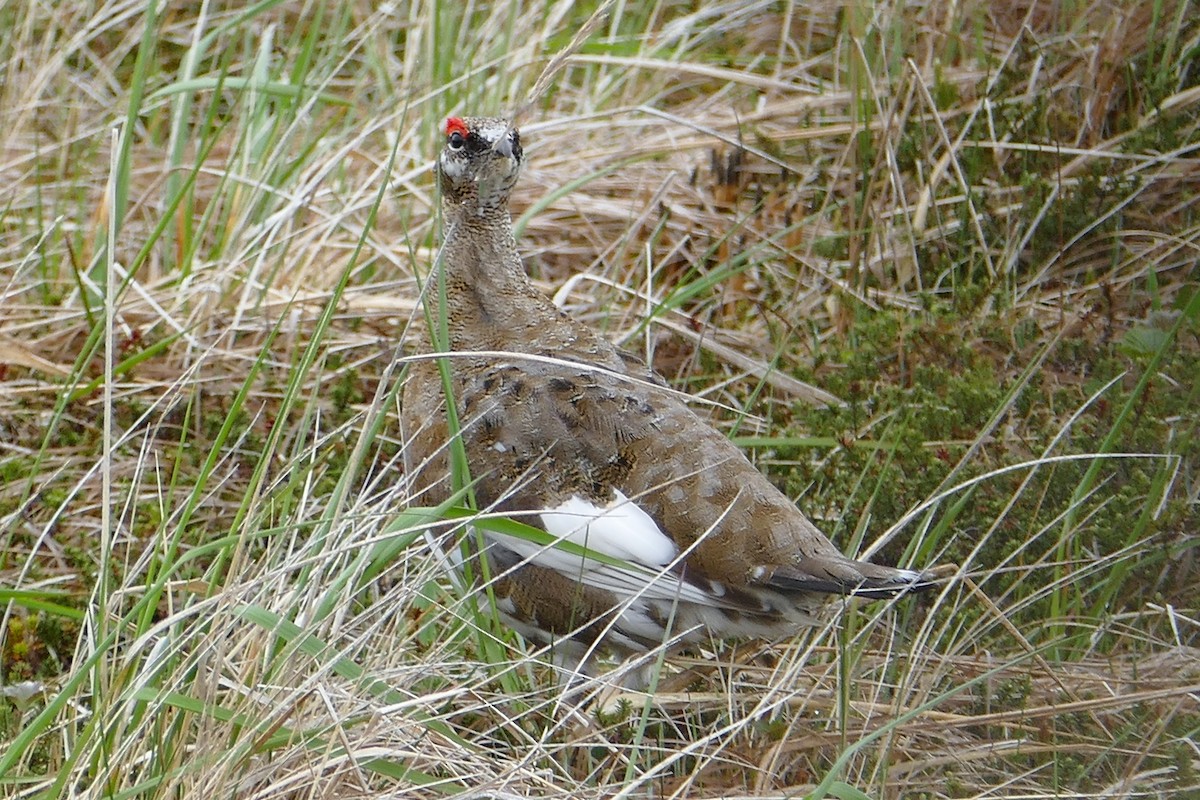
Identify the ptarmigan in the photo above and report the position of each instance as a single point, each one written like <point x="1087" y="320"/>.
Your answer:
<point x="672" y="534"/>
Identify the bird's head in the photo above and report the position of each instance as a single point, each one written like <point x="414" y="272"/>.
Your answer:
<point x="479" y="163"/>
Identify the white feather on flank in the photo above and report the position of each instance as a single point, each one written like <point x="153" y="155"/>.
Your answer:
<point x="619" y="530"/>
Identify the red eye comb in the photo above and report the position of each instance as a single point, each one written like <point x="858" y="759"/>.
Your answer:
<point x="454" y="125"/>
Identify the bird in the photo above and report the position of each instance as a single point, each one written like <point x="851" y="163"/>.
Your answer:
<point x="655" y="528"/>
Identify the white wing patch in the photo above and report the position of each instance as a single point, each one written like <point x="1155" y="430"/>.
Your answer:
<point x="646" y="586"/>
<point x="619" y="529"/>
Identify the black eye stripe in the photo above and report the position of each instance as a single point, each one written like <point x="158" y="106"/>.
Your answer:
<point x="477" y="144"/>
<point x="474" y="144"/>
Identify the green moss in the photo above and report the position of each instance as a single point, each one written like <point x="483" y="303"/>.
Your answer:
<point x="919" y="391"/>
<point x="1184" y="779"/>
<point x="347" y="392"/>
<point x="15" y="469"/>
<point x="35" y="645"/>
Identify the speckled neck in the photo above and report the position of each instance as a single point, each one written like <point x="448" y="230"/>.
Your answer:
<point x="491" y="303"/>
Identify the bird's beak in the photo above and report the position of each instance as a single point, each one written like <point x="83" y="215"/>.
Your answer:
<point x="503" y="145"/>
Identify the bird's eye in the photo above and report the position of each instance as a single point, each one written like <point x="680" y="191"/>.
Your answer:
<point x="456" y="141"/>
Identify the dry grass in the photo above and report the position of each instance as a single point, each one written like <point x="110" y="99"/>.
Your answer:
<point x="212" y="582"/>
